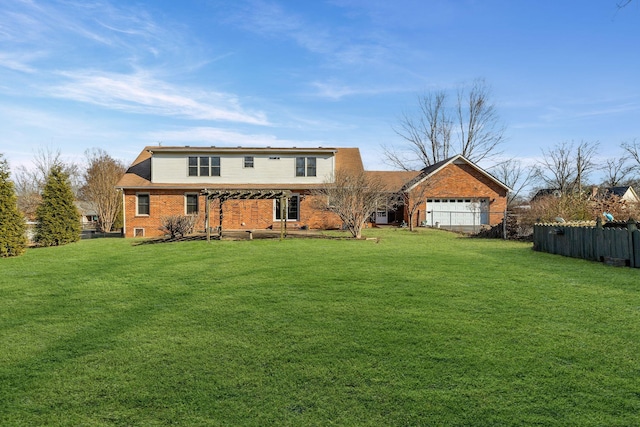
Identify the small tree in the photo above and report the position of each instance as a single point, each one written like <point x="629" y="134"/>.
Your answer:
<point x="58" y="220"/>
<point x="353" y="197"/>
<point x="178" y="224"/>
<point x="101" y="176"/>
<point x="414" y="196"/>
<point x="12" y="227"/>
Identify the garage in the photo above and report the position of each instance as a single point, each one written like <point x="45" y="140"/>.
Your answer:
<point x="457" y="212"/>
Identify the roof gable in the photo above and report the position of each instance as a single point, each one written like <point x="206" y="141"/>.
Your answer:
<point x="433" y="169"/>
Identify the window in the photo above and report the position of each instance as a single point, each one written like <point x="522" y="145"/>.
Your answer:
<point x="193" y="166"/>
<point x="305" y="166"/>
<point x="292" y="208"/>
<point x="204" y="166"/>
<point x="142" y="205"/>
<point x="300" y="166"/>
<point x="191" y="204"/>
<point x="215" y="166"/>
<point x="311" y="166"/>
<point x="248" y="161"/>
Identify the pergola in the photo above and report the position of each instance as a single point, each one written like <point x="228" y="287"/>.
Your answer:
<point x="224" y="195"/>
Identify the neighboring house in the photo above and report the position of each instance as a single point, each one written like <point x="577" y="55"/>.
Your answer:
<point x="625" y="193"/>
<point x="266" y="187"/>
<point x="546" y="192"/>
<point x="88" y="214"/>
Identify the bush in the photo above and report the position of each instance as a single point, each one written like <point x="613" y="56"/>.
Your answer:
<point x="178" y="224"/>
<point x="58" y="220"/>
<point x="576" y="207"/>
<point x="12" y="226"/>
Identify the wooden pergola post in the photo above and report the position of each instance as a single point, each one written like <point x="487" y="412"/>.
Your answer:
<point x="283" y="221"/>
<point x="221" y="199"/>
<point x="207" y="210"/>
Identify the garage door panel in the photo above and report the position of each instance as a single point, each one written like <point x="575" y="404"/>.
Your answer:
<point x="457" y="211"/>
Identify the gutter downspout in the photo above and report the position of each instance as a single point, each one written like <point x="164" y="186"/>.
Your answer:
<point x="124" y="216"/>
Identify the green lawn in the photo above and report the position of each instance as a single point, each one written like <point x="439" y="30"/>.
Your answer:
<point x="423" y="328"/>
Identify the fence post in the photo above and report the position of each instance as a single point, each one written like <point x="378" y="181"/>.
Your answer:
<point x="597" y="239"/>
<point x="631" y="228"/>
<point x="504" y="223"/>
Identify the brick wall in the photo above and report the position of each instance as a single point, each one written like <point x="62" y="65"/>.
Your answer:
<point x="464" y="181"/>
<point x="237" y="214"/>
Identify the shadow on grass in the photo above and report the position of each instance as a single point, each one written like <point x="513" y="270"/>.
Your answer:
<point x="238" y="235"/>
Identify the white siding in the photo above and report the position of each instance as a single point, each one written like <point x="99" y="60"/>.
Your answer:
<point x="173" y="169"/>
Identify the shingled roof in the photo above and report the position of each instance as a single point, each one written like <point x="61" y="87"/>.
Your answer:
<point x="394" y="180"/>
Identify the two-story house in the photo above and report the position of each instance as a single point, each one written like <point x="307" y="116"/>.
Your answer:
<point x="260" y="188"/>
<point x="165" y="181"/>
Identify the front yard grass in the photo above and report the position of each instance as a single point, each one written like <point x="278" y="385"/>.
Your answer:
<point x="425" y="328"/>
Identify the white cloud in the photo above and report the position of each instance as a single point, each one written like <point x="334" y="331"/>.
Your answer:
<point x="336" y="91"/>
<point x="143" y="94"/>
<point x="339" y="43"/>
<point x="226" y="137"/>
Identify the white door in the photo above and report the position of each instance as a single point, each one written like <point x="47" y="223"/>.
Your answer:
<point x="457" y="212"/>
<point x="381" y="217"/>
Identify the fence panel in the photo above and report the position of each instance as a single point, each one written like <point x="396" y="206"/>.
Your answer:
<point x="635" y="242"/>
<point x="619" y="245"/>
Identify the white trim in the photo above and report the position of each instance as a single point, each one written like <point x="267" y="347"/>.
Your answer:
<point x="124" y="214"/>
<point x="136" y="229"/>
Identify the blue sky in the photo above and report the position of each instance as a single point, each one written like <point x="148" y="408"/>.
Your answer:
<point x="77" y="74"/>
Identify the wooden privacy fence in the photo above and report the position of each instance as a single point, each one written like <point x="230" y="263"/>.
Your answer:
<point x="620" y="246"/>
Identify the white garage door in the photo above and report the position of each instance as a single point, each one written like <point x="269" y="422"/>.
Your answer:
<point x="457" y="212"/>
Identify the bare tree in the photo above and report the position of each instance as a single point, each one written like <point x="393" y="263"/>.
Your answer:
<point x="514" y="175"/>
<point x="471" y="127"/>
<point x="353" y="197"/>
<point x="29" y="182"/>
<point x="633" y="149"/>
<point x="616" y="171"/>
<point x="101" y="176"/>
<point x="414" y="194"/>
<point x="567" y="166"/>
<point x="428" y="134"/>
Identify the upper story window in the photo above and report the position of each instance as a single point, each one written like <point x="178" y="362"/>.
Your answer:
<point x="248" y="161"/>
<point x="204" y="166"/>
<point x="305" y="166"/>
<point x="142" y="204"/>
